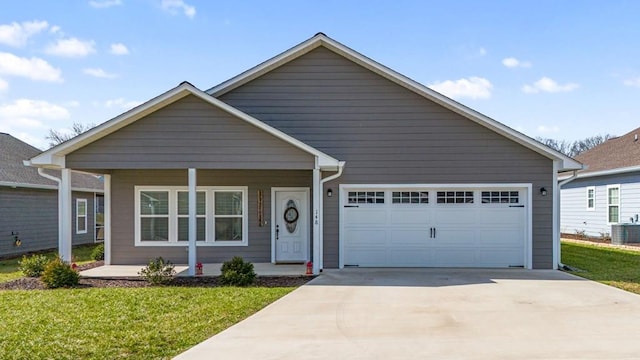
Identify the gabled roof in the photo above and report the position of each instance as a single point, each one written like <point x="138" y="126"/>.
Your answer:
<point x="320" y="39"/>
<point x="614" y="156"/>
<point x="55" y="157"/>
<point x="13" y="172"/>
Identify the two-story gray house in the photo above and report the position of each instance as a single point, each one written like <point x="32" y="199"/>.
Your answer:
<point x="320" y="154"/>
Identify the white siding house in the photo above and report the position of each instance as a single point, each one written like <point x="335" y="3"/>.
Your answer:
<point x="607" y="192"/>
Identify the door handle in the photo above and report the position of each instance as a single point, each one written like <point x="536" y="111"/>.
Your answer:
<point x="430" y="233"/>
<point x="277" y="232"/>
<point x="434" y="233"/>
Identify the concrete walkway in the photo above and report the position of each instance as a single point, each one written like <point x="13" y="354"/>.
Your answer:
<point x="438" y="314"/>
<point x="123" y="271"/>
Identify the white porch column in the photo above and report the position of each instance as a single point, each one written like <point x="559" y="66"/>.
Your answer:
<point x="107" y="219"/>
<point x="192" y="222"/>
<point x="555" y="190"/>
<point x="65" y="216"/>
<point x="317" y="193"/>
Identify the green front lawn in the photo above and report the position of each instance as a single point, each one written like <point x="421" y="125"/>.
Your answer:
<point x="112" y="323"/>
<point x="619" y="268"/>
<point x="9" y="268"/>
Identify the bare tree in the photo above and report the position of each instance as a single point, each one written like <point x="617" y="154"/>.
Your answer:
<point x="576" y="147"/>
<point x="56" y="137"/>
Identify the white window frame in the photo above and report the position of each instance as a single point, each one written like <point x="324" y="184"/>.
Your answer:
<point x="209" y="215"/>
<point x="593" y="198"/>
<point x="609" y="204"/>
<point x="78" y="216"/>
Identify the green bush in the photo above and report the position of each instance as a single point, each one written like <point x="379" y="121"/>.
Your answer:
<point x="158" y="271"/>
<point x="237" y="272"/>
<point x="60" y="274"/>
<point x="98" y="253"/>
<point x="34" y="265"/>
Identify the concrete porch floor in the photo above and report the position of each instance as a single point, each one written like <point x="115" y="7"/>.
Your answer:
<point x="262" y="269"/>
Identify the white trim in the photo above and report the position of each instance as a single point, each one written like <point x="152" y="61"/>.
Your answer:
<point x="107" y="219"/>
<point x="528" y="187"/>
<point x="210" y="215"/>
<point x="323" y="40"/>
<point x="45" y="187"/>
<point x="593" y="189"/>
<point x="55" y="157"/>
<point x="617" y="171"/>
<point x="273" y="217"/>
<point x="86" y="223"/>
<point x="619" y="205"/>
<point x="317" y="194"/>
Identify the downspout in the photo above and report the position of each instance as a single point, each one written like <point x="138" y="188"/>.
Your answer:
<point x="321" y="205"/>
<point x="59" y="182"/>
<point x="560" y="184"/>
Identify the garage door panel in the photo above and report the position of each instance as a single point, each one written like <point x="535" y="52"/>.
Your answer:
<point x="430" y="233"/>
<point x="419" y="237"/>
<point x="360" y="216"/>
<point x="364" y="237"/>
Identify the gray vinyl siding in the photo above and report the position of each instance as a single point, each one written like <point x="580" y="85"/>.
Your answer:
<point x="123" y="246"/>
<point x="574" y="216"/>
<point x="388" y="134"/>
<point x="33" y="213"/>
<point x="190" y="133"/>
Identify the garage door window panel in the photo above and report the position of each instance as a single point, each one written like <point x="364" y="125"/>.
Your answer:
<point x="410" y="197"/>
<point x="500" y="197"/>
<point x="454" y="197"/>
<point x="365" y="197"/>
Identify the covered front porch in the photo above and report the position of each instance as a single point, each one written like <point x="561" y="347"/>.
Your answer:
<point x="211" y="269"/>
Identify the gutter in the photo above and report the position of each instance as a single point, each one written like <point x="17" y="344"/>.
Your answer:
<point x="560" y="184"/>
<point x="321" y="206"/>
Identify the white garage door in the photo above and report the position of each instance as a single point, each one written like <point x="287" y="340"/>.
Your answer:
<point x="431" y="227"/>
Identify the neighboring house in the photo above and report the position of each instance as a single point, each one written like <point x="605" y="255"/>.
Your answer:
<point x="320" y="154"/>
<point x="29" y="203"/>
<point x="607" y="192"/>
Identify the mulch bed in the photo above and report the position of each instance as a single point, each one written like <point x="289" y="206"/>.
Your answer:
<point x="27" y="283"/>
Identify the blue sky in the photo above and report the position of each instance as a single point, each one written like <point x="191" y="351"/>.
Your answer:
<point x="560" y="69"/>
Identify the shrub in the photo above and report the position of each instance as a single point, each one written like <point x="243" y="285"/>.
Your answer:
<point x="59" y="274"/>
<point x="237" y="272"/>
<point x="158" y="271"/>
<point x="98" y="253"/>
<point x="34" y="265"/>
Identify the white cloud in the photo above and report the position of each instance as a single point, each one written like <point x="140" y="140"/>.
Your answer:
<point x="33" y="68"/>
<point x="543" y="129"/>
<point x="38" y="109"/>
<point x="119" y="49"/>
<point x="3" y="85"/>
<point x="99" y="73"/>
<point x="54" y="29"/>
<point x="71" y="47"/>
<point x="17" y="34"/>
<point x="632" y="82"/>
<point x="549" y="85"/>
<point x="512" y="62"/>
<point x="103" y="4"/>
<point x="174" y="6"/>
<point x="23" y="117"/>
<point x="473" y="87"/>
<point x="482" y="51"/>
<point x="121" y="103"/>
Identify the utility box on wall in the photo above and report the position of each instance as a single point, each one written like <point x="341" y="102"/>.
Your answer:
<point x="625" y="234"/>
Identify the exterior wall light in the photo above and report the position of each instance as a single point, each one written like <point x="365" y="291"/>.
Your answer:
<point x="329" y="193"/>
<point x="543" y="191"/>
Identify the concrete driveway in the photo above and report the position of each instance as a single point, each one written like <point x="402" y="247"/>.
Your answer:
<point x="438" y="314"/>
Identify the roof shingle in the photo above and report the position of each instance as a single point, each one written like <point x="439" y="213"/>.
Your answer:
<point x="619" y="152"/>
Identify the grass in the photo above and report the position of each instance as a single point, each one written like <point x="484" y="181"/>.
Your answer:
<point x="9" y="269"/>
<point x="619" y="268"/>
<point x="112" y="323"/>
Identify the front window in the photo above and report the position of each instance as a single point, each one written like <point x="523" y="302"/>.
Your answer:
<point x="162" y="217"/>
<point x="613" y="200"/>
<point x="591" y="198"/>
<point x="81" y="216"/>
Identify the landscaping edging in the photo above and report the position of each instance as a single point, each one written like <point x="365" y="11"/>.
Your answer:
<point x="603" y="244"/>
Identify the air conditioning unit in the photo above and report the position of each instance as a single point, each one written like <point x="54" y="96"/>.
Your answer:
<point x="625" y="233"/>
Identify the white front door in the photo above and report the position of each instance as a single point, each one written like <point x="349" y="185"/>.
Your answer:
<point x="291" y="225"/>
